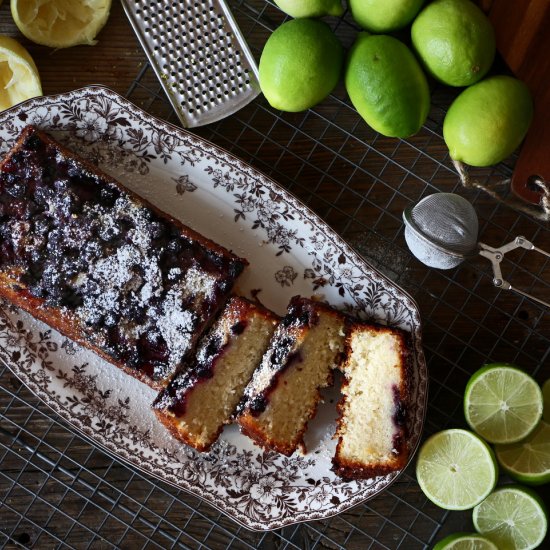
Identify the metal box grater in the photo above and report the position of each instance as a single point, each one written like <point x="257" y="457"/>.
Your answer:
<point x="198" y="54"/>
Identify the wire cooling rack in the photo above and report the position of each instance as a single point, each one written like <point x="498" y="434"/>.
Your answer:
<point x="59" y="491"/>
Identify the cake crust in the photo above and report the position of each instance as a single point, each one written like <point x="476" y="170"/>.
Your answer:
<point x="354" y="469"/>
<point x="234" y="345"/>
<point x="46" y="192"/>
<point x="256" y="415"/>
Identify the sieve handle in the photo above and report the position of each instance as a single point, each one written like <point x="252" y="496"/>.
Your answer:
<point x="496" y="255"/>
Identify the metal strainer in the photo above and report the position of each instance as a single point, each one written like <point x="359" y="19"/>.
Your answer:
<point x="441" y="231"/>
<point x="198" y="54"/>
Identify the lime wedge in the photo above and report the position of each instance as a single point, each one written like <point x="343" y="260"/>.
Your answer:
<point x="465" y="541"/>
<point x="546" y="399"/>
<point x="60" y="23"/>
<point x="456" y="469"/>
<point x="513" y="517"/>
<point x="529" y="460"/>
<point x="502" y="403"/>
<point x="19" y="78"/>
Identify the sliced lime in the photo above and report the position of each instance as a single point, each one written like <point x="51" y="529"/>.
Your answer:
<point x="513" y="517"/>
<point x="456" y="469"/>
<point x="546" y="399"/>
<point x="529" y="460"/>
<point x="465" y="541"/>
<point x="502" y="403"/>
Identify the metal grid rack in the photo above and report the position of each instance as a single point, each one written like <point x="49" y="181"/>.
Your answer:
<point x="58" y="490"/>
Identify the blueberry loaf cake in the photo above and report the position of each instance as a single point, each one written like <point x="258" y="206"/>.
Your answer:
<point x="200" y="400"/>
<point x="93" y="260"/>
<point x="284" y="391"/>
<point x="371" y="430"/>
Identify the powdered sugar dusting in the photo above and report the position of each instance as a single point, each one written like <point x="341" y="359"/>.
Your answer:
<point x="176" y="325"/>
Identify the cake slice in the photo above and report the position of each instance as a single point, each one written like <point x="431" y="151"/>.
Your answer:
<point x="103" y="266"/>
<point x="284" y="391"/>
<point x="371" y="430"/>
<point x="201" y="400"/>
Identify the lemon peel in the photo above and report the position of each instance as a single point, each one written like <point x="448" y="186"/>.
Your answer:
<point x="19" y="78"/>
<point x="60" y="23"/>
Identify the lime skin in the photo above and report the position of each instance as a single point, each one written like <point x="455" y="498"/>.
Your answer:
<point x="488" y="121"/>
<point x="455" y="41"/>
<point x="387" y="85"/>
<point x="300" y="65"/>
<point x="311" y="8"/>
<point x="381" y="16"/>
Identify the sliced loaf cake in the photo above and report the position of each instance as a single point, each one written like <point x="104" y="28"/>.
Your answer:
<point x="284" y="391"/>
<point x="200" y="401"/>
<point x="371" y="430"/>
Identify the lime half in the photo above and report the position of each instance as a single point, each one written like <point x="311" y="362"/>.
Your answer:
<point x="529" y="460"/>
<point x="456" y="469"/>
<point x="513" y="517"/>
<point x="546" y="399"/>
<point x="465" y="541"/>
<point x="502" y="403"/>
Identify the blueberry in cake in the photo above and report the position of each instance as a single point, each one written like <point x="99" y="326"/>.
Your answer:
<point x="284" y="391"/>
<point x="200" y="400"/>
<point x="371" y="430"/>
<point x="93" y="260"/>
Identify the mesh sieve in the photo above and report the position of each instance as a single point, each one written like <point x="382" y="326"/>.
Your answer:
<point x="199" y="55"/>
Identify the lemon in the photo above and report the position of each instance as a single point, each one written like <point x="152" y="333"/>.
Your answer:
<point x="384" y="15"/>
<point x="387" y="85"/>
<point x="300" y="64"/>
<point x="19" y="78"/>
<point x="488" y="120"/>
<point x="455" y="41"/>
<point x="311" y="8"/>
<point x="60" y="23"/>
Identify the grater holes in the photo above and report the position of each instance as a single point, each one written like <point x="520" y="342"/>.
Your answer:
<point x="187" y="61"/>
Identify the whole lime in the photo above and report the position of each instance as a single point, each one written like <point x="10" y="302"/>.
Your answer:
<point x="300" y="64"/>
<point x="311" y="8"/>
<point x="455" y="41"/>
<point x="488" y="120"/>
<point x="384" y="15"/>
<point x="387" y="85"/>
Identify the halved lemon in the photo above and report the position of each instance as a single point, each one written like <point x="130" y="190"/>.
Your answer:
<point x="60" y="23"/>
<point x="19" y="79"/>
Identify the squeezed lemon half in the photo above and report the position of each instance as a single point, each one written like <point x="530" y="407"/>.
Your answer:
<point x="60" y="23"/>
<point x="19" y="79"/>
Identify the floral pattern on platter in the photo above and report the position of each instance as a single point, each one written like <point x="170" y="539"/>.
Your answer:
<point x="261" y="490"/>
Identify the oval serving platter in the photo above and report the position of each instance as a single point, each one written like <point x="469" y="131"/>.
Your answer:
<point x="290" y="250"/>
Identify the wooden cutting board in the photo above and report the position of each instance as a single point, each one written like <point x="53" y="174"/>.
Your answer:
<point x="522" y="30"/>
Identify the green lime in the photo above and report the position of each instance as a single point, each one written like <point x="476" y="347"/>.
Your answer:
<point x="546" y="399"/>
<point x="529" y="460"/>
<point x="465" y="541"/>
<point x="455" y="41"/>
<point x="387" y="86"/>
<point x="456" y="469"/>
<point x="502" y="403"/>
<point x="513" y="517"/>
<point x="300" y="64"/>
<point x="311" y="8"/>
<point x="384" y="15"/>
<point x="488" y="121"/>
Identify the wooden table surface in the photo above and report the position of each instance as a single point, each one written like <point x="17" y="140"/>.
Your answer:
<point x="359" y="183"/>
